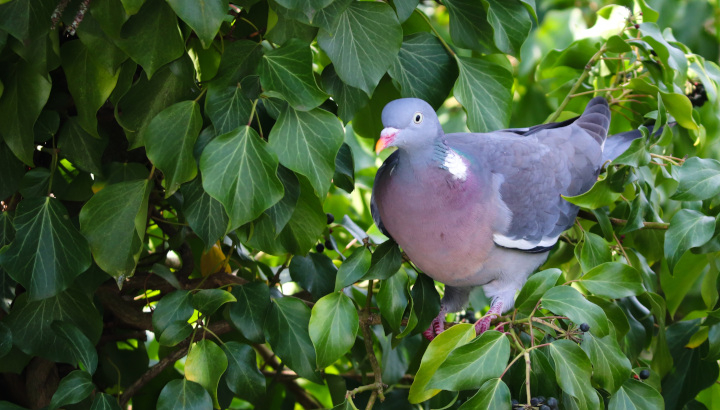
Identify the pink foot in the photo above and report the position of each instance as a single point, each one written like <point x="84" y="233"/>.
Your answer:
<point x="437" y="326"/>
<point x="483" y="324"/>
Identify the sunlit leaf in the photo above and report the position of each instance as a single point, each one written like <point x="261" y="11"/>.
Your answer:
<point x="205" y="363"/>
<point x="333" y="326"/>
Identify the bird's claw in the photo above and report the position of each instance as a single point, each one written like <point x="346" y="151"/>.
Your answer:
<point x="437" y="326"/>
<point x="482" y="325"/>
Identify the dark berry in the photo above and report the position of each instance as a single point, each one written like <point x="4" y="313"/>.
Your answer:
<point x="553" y="402"/>
<point x="637" y="26"/>
<point x="330" y="218"/>
<point x="645" y="374"/>
<point x="515" y="403"/>
<point x="534" y="401"/>
<point x="584" y="327"/>
<point x="319" y="248"/>
<point x="328" y="244"/>
<point x="544" y="407"/>
<point x="541" y="399"/>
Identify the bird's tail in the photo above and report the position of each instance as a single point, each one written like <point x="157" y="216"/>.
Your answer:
<point x="596" y="119"/>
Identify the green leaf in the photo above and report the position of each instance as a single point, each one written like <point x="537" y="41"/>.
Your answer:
<point x="12" y="171"/>
<point x="151" y="37"/>
<point x="471" y="365"/>
<point x="426" y="302"/>
<point x="208" y="301"/>
<point x="567" y="301"/>
<point x="307" y="142"/>
<point x="205" y="363"/>
<point x="173" y="307"/>
<point x="308" y="220"/>
<point x="353" y="268"/>
<point x="676" y="287"/>
<point x="615" y="44"/>
<point x="243" y="377"/>
<point x="147" y="97"/>
<point x="610" y="366"/>
<point x="436" y="353"/>
<point x="386" y="261"/>
<point x="249" y="312"/>
<point x="613" y="280"/>
<point x="688" y="229"/>
<point x="5" y="339"/>
<point x="79" y="344"/>
<point x="344" y="176"/>
<point x="636" y="395"/>
<point x="104" y="401"/>
<point x="393" y="299"/>
<point x="286" y="328"/>
<point x="363" y="43"/>
<point x="182" y="394"/>
<point x="698" y="179"/>
<point x="593" y="252"/>
<point x="493" y="394"/>
<point x="175" y="333"/>
<point x="239" y="60"/>
<point x="30" y="323"/>
<point x="81" y="148"/>
<point x="404" y="8"/>
<point x="113" y="221"/>
<point x="672" y="56"/>
<point x="205" y="215"/>
<point x="598" y="196"/>
<point x="315" y="273"/>
<point x="26" y="18"/>
<point x="535" y="288"/>
<point x="424" y="69"/>
<point x="287" y="29"/>
<point x="72" y="389"/>
<point x="25" y="94"/>
<point x="227" y="107"/>
<point x="286" y="73"/>
<point x="636" y="155"/>
<point x="469" y="27"/>
<point x="48" y="252"/>
<point x="104" y="51"/>
<point x="239" y="170"/>
<point x="511" y="24"/>
<point x="169" y="141"/>
<point x="678" y="105"/>
<point x="282" y="212"/>
<point x="572" y="371"/>
<point x="333" y="326"/>
<point x="90" y="83"/>
<point x="203" y="16"/>
<point x="349" y="99"/>
<point x="35" y="183"/>
<point x="483" y="88"/>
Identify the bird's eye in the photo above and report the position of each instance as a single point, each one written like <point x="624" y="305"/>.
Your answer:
<point x="418" y="118"/>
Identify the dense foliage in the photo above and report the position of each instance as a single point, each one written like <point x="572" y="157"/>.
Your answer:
<point x="185" y="192"/>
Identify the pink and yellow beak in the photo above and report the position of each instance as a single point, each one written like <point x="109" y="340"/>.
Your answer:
<point x="387" y="137"/>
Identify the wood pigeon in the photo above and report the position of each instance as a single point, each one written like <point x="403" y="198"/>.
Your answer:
<point x="484" y="209"/>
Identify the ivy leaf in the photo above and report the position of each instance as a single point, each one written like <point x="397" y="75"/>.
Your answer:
<point x="636" y="155"/>
<point x="307" y="142"/>
<point x="282" y="212"/>
<point x="81" y="148"/>
<point x="182" y="394"/>
<point x="386" y="261"/>
<point x="239" y="60"/>
<point x="348" y="98"/>
<point x="90" y="84"/>
<point x="333" y="327"/>
<point x="30" y="323"/>
<point x="610" y="366"/>
<point x="593" y="252"/>
<point x="678" y="105"/>
<point x="79" y="344"/>
<point x="483" y="88"/>
<point x="688" y="229"/>
<point x="25" y="94"/>
<point x="426" y="302"/>
<point x="469" y="27"/>
<point x="493" y="394"/>
<point x="174" y="333"/>
<point x="353" y="268"/>
<point x="471" y="365"/>
<point x="173" y="307"/>
<point x="572" y="371"/>
<point x="249" y="312"/>
<point x="344" y="176"/>
<point x="5" y="339"/>
<point x="598" y="196"/>
<point x="393" y="299"/>
<point x="239" y="171"/>
<point x="613" y="280"/>
<point x="567" y="301"/>
<point x="48" y="252"/>
<point x="26" y="19"/>
<point x="113" y="221"/>
<point x="104" y="401"/>
<point x="535" y="288"/>
<point x="104" y="51"/>
<point x="205" y="215"/>
<point x="169" y="141"/>
<point x="315" y="273"/>
<point x="12" y="171"/>
<point x="363" y="43"/>
<point x="636" y="395"/>
<point x="286" y="328"/>
<point x="436" y="353"/>
<point x="424" y="69"/>
<point x="227" y="107"/>
<point x="511" y="24"/>
<point x="208" y="301"/>
<point x="286" y="73"/>
<point x="72" y="389"/>
<point x="203" y="16"/>
<point x="205" y="363"/>
<point x="243" y="377"/>
<point x="698" y="178"/>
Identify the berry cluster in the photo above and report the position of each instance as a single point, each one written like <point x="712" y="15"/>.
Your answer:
<point x="328" y="243"/>
<point x="539" y="402"/>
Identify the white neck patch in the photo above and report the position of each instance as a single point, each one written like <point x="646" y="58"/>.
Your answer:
<point x="455" y="165"/>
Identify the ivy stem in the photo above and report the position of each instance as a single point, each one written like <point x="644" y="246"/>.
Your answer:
<point x="378" y="386"/>
<point x="202" y="92"/>
<point x="252" y="112"/>
<point x="622" y="249"/>
<point x="600" y="90"/>
<point x="53" y="167"/>
<point x="437" y="34"/>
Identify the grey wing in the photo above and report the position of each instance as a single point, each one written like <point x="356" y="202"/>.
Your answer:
<point x="535" y="170"/>
<point x="382" y="174"/>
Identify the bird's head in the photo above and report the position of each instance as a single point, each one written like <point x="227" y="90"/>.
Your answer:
<point x="409" y="123"/>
